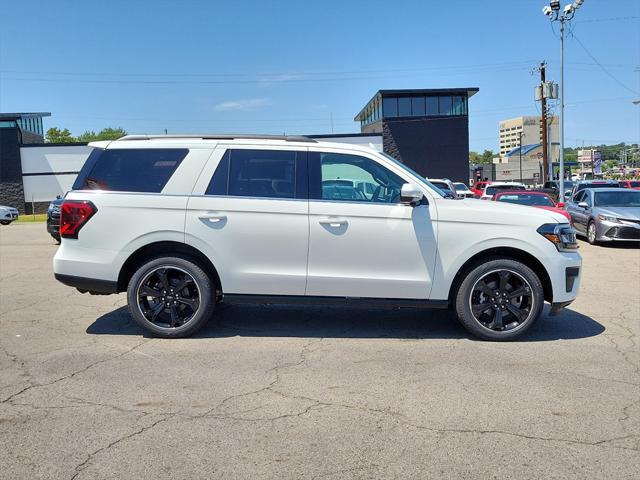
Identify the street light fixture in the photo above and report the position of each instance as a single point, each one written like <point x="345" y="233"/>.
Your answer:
<point x="553" y="12"/>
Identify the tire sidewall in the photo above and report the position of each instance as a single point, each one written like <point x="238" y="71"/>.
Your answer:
<point x="463" y="308"/>
<point x="206" y="288"/>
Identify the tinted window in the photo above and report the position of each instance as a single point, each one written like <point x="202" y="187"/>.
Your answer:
<point x="432" y="106"/>
<point x="352" y="178"/>
<point x="404" y="106"/>
<point x="493" y="189"/>
<point x="390" y="107"/>
<point x="257" y="173"/>
<point x="445" y="105"/>
<point x="129" y="170"/>
<point x="417" y="106"/>
<point x="526" y="199"/>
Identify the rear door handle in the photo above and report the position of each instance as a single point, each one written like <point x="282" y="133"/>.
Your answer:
<point x="213" y="217"/>
<point x="334" y="222"/>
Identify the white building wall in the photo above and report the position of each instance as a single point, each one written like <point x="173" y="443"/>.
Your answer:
<point x="50" y="170"/>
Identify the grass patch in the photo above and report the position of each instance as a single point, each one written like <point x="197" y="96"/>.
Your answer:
<point x="39" y="217"/>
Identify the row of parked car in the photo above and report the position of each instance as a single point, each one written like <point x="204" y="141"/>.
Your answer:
<point x="600" y="210"/>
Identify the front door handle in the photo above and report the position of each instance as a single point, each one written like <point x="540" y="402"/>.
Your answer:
<point x="334" y="222"/>
<point x="213" y="217"/>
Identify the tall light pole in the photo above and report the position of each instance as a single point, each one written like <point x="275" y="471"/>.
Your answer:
<point x="553" y="12"/>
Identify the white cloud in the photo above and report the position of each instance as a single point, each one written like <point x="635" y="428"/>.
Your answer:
<point x="244" y="104"/>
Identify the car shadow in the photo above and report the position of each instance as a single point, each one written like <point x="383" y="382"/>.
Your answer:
<point x="340" y="322"/>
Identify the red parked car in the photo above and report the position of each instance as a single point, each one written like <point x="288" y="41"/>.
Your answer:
<point x="478" y="188"/>
<point x="635" y="184"/>
<point x="533" y="199"/>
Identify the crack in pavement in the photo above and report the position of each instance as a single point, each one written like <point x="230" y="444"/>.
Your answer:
<point x="85" y="464"/>
<point x="73" y="374"/>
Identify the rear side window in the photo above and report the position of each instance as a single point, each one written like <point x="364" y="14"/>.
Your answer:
<point x="260" y="173"/>
<point x="129" y="170"/>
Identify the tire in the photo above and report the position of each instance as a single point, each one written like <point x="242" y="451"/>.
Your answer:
<point x="591" y="233"/>
<point x="473" y="296"/>
<point x="148" y="278"/>
<point x="57" y="239"/>
<point x="5" y="222"/>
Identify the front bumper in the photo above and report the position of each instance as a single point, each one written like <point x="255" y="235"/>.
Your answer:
<point x="624" y="231"/>
<point x="565" y="271"/>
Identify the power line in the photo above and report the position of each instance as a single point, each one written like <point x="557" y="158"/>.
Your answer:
<point x="602" y="67"/>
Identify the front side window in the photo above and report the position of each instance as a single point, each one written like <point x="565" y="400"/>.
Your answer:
<point x="258" y="173"/>
<point x="352" y="178"/>
<point x="129" y="169"/>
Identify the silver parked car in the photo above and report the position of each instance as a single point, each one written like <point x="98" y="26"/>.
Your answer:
<point x="8" y="215"/>
<point x="606" y="214"/>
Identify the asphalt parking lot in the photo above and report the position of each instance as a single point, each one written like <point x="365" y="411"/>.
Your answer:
<point x="284" y="392"/>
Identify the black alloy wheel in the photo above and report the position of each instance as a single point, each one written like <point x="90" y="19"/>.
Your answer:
<point x="171" y="297"/>
<point x="168" y="297"/>
<point x="501" y="300"/>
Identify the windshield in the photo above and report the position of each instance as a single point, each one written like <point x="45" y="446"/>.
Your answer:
<point x="493" y="189"/>
<point x="622" y="198"/>
<point x="418" y="177"/>
<point x="634" y="183"/>
<point x="460" y="186"/>
<point x="527" y="199"/>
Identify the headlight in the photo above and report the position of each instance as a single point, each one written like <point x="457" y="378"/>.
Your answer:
<point x="605" y="218"/>
<point x="561" y="235"/>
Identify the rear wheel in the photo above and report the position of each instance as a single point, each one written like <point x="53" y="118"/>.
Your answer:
<point x="499" y="299"/>
<point x="5" y="222"/>
<point x="171" y="297"/>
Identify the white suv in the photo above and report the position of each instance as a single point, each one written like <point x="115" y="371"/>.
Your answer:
<point x="182" y="223"/>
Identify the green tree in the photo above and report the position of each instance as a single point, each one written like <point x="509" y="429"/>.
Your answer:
<point x="487" y="156"/>
<point x="55" y="135"/>
<point x="484" y="157"/>
<point x="104" y="134"/>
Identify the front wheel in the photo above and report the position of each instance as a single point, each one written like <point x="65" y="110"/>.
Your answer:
<point x="591" y="233"/>
<point x="499" y="299"/>
<point x="171" y="297"/>
<point x="5" y="222"/>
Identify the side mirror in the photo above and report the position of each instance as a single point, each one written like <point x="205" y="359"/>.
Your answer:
<point x="560" y="204"/>
<point x="411" y="194"/>
<point x="583" y="205"/>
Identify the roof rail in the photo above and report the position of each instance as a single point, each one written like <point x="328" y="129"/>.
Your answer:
<point x="286" y="138"/>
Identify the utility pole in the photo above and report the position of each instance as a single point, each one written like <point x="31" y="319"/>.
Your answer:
<point x="543" y="120"/>
<point x="520" y="150"/>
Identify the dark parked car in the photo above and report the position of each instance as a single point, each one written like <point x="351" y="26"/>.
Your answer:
<point x="606" y="214"/>
<point x="552" y="188"/>
<point x="53" y="219"/>
<point x="582" y="184"/>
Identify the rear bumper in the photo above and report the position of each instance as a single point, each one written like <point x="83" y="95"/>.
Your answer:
<point x="84" y="284"/>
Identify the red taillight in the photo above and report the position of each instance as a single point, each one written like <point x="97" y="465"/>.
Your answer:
<point x="73" y="215"/>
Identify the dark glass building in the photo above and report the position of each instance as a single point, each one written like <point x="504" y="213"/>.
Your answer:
<point x="427" y="129"/>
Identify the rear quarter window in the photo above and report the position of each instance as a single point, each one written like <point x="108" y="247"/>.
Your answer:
<point x="129" y="170"/>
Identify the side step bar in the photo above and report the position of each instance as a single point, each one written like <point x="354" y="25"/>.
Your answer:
<point x="240" y="299"/>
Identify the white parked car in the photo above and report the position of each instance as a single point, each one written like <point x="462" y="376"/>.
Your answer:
<point x="182" y="223"/>
<point x="462" y="190"/>
<point x="495" y="187"/>
<point x="8" y="215"/>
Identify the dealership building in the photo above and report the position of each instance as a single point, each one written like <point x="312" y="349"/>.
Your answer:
<point x="426" y="129"/>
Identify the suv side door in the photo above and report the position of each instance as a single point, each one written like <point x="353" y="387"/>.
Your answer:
<point x="361" y="244"/>
<point x="249" y="215"/>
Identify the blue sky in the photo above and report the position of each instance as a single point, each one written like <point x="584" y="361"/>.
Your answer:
<point x="292" y="66"/>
